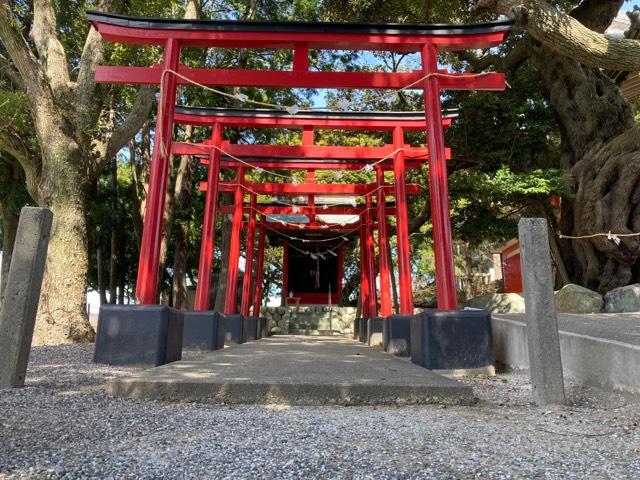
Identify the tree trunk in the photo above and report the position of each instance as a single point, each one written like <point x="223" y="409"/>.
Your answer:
<point x="62" y="316"/>
<point x="183" y="199"/>
<point x="115" y="227"/>
<point x="601" y="152"/>
<point x="102" y="290"/>
<point x="600" y="138"/>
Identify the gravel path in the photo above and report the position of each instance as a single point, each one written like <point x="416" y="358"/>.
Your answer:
<point x="63" y="426"/>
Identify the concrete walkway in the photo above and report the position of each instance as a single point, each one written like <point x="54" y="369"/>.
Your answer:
<point x="294" y="370"/>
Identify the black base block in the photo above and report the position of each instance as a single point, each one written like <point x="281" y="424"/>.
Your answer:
<point x="450" y="340"/>
<point x="203" y="330"/>
<point x="362" y="329"/>
<point x="250" y="328"/>
<point x="396" y="335"/>
<point x="263" y="329"/>
<point x="356" y="329"/>
<point x="374" y="325"/>
<point x="138" y="335"/>
<point x="234" y="328"/>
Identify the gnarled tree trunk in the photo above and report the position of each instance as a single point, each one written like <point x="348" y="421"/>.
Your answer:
<point x="600" y="138"/>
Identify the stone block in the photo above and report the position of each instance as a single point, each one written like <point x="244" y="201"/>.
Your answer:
<point x="22" y="294"/>
<point x="396" y="335"/>
<point x="545" y="363"/>
<point x="623" y="299"/>
<point x="234" y="329"/>
<point x="149" y="335"/>
<point x="250" y="328"/>
<point x="451" y="339"/>
<point x="374" y="331"/>
<point x="498" y="303"/>
<point x="576" y="299"/>
<point x="203" y="330"/>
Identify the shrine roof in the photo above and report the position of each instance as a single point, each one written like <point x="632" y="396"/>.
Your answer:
<point x="300" y="27"/>
<point x="340" y="35"/>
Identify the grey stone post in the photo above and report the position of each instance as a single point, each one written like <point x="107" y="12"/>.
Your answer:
<point x="18" y="315"/>
<point x="545" y="364"/>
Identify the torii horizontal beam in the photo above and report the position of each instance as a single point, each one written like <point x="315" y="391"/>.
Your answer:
<point x="304" y="210"/>
<point x="297" y="79"/>
<point x="299" y="152"/>
<point x="310" y="188"/>
<point x="316" y="119"/>
<point x="315" y="35"/>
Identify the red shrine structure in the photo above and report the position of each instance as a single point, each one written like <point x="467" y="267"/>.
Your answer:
<point x="299" y="211"/>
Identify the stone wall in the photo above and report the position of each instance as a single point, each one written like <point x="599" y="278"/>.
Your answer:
<point x="309" y="319"/>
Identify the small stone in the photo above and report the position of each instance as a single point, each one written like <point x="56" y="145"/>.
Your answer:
<point x="623" y="299"/>
<point x="498" y="303"/>
<point x="576" y="299"/>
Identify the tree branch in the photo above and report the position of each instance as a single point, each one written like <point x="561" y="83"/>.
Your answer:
<point x="134" y="121"/>
<point x="10" y="74"/>
<point x="20" y="54"/>
<point x="13" y="145"/>
<point x="567" y="36"/>
<point x="511" y="62"/>
<point x="597" y="14"/>
<point x="92" y="55"/>
<point x="50" y="50"/>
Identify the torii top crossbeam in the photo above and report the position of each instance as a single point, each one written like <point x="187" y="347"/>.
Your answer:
<point x="173" y="35"/>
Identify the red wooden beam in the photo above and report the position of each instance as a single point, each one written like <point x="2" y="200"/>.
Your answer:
<point x="299" y="35"/>
<point x="310" y="188"/>
<point x="302" y="156"/>
<point x="316" y="227"/>
<point x="294" y="79"/>
<point x="262" y="119"/>
<point x="303" y="210"/>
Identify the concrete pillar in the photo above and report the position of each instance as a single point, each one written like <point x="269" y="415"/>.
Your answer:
<point x="18" y="315"/>
<point x="545" y="364"/>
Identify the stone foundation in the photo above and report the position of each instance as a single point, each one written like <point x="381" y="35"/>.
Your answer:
<point x="309" y="319"/>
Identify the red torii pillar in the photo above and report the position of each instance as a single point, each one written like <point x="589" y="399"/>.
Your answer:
<point x="257" y="291"/>
<point x="371" y="260"/>
<point x="383" y="250"/>
<point x="234" y="247"/>
<point x="248" y="265"/>
<point x="207" y="244"/>
<point x="438" y="185"/>
<point x="147" y="282"/>
<point x="364" y="271"/>
<point x="402" y="225"/>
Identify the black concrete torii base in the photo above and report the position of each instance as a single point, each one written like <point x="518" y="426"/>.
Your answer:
<point x="149" y="335"/>
<point x="396" y="335"/>
<point x="234" y="329"/>
<point x="374" y="325"/>
<point x="452" y="340"/>
<point x="203" y="330"/>
<point x="251" y="328"/>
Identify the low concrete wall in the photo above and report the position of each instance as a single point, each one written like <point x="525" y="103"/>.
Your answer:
<point x="604" y="363"/>
<point x="309" y="319"/>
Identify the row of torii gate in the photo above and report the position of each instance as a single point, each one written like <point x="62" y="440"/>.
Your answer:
<point x="371" y="210"/>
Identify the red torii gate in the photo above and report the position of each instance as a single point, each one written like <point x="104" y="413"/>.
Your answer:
<point x="285" y="157"/>
<point x="173" y="35"/>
